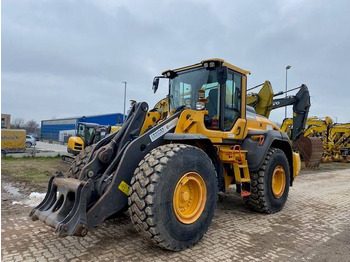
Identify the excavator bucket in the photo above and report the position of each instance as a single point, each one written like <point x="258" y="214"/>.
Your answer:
<point x="311" y="150"/>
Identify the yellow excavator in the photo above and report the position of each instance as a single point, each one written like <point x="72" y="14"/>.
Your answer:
<point x="167" y="164"/>
<point x="338" y="141"/>
<point x="335" y="137"/>
<point x="88" y="134"/>
<point x="264" y="102"/>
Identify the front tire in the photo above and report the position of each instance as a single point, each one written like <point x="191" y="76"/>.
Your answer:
<point x="173" y="196"/>
<point x="28" y="145"/>
<point x="79" y="162"/>
<point x="270" y="185"/>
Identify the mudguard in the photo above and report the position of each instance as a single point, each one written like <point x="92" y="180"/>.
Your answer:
<point x="257" y="150"/>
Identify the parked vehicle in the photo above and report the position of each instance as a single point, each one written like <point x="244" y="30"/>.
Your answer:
<point x="35" y="136"/>
<point x="30" y="141"/>
<point x="13" y="140"/>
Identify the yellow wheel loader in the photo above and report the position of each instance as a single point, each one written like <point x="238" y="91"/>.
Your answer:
<point x="263" y="102"/>
<point x="167" y="164"/>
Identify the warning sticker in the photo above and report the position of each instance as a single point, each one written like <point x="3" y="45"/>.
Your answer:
<point x="124" y="187"/>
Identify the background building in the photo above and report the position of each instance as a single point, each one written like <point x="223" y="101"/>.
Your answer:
<point x="5" y="121"/>
<point x="51" y="129"/>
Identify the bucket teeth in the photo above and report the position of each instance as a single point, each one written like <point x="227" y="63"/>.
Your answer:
<point x="64" y="206"/>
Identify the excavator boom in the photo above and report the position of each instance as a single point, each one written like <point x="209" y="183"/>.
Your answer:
<point x="310" y="147"/>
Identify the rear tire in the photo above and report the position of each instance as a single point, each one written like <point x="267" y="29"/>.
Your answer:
<point x="28" y="145"/>
<point x="269" y="195"/>
<point x="158" y="206"/>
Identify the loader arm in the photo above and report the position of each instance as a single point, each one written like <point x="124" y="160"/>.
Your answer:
<point x="72" y="206"/>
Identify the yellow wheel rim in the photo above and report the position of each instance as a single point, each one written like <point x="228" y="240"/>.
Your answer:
<point x="189" y="198"/>
<point x="278" y="182"/>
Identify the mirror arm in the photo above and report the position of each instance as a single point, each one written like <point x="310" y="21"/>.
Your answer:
<point x="156" y="83"/>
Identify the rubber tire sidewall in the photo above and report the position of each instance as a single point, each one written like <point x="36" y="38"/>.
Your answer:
<point x="185" y="161"/>
<point x="277" y="159"/>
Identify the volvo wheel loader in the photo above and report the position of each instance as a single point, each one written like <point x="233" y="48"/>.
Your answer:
<point x="167" y="164"/>
<point x="264" y="101"/>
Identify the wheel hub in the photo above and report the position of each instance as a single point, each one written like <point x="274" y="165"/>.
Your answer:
<point x="278" y="182"/>
<point x="189" y="197"/>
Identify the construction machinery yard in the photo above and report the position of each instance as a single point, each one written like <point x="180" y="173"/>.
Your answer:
<point x="166" y="169"/>
<point x="175" y="131"/>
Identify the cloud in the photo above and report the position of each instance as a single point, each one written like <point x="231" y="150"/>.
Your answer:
<point x="68" y="58"/>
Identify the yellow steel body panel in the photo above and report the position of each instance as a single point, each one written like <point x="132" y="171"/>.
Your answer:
<point x="261" y="123"/>
<point x="151" y="119"/>
<point x="296" y="164"/>
<point x="224" y="63"/>
<point x="191" y="121"/>
<point x="228" y="179"/>
<point x="13" y="139"/>
<point x="237" y="158"/>
<point x="76" y="143"/>
<point x="115" y="129"/>
<point x="159" y="112"/>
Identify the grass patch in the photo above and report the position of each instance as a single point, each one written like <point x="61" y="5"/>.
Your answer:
<point x="32" y="169"/>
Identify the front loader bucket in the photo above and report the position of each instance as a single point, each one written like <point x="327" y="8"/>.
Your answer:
<point x="64" y="206"/>
<point x="311" y="150"/>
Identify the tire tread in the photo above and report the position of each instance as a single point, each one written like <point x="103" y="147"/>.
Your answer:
<point x="142" y="195"/>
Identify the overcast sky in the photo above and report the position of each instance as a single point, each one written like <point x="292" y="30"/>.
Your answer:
<point x="69" y="58"/>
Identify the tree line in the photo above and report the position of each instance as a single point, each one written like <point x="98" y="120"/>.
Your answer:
<point x="30" y="126"/>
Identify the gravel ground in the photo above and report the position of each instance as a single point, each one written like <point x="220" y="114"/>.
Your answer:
<point x="313" y="226"/>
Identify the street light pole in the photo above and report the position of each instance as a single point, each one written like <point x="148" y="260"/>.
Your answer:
<point x="124" y="99"/>
<point x="285" y="109"/>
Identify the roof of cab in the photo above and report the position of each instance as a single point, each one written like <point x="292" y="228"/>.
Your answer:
<point x="223" y="62"/>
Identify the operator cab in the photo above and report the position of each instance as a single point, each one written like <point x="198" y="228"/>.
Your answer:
<point x="86" y="130"/>
<point x="220" y="86"/>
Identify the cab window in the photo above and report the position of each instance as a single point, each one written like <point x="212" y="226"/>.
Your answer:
<point x="81" y="130"/>
<point x="232" y="99"/>
<point x="211" y="93"/>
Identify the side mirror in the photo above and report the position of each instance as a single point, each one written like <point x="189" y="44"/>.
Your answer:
<point x="155" y="84"/>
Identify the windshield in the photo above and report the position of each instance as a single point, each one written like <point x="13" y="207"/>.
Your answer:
<point x="184" y="87"/>
<point x="81" y="130"/>
<point x="84" y="131"/>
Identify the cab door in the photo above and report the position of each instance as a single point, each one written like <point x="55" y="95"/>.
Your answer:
<point x="231" y="100"/>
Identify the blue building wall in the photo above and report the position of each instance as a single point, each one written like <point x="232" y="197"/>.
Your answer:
<point x="50" y="128"/>
<point x="111" y="119"/>
<point x="51" y="132"/>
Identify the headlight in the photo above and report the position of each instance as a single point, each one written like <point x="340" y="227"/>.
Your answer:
<point x="200" y="105"/>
